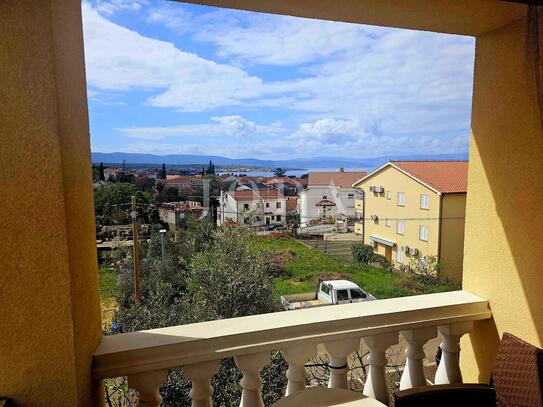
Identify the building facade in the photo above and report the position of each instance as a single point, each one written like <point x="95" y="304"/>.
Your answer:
<point x="256" y="208"/>
<point x="328" y="194"/>
<point x="173" y="213"/>
<point x="416" y="208"/>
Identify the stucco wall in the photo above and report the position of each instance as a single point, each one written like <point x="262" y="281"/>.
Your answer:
<point x="412" y="215"/>
<point x="504" y="213"/>
<point x="453" y="212"/>
<point x="315" y="193"/>
<point x="50" y="302"/>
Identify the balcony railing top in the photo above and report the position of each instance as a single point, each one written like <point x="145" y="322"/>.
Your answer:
<point x="165" y="348"/>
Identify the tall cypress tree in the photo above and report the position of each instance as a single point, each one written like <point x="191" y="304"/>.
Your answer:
<point x="101" y="175"/>
<point x="163" y="171"/>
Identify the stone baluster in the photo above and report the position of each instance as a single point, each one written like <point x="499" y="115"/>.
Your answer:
<point x="200" y="375"/>
<point x="413" y="374"/>
<point x="376" y="382"/>
<point x="448" y="371"/>
<point x="148" y="385"/>
<point x="296" y="358"/>
<point x="338" y="352"/>
<point x="251" y="383"/>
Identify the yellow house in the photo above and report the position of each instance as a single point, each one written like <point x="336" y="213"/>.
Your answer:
<point x="416" y="208"/>
<point x="52" y="351"/>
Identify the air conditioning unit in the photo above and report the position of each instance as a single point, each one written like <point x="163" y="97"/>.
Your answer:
<point x="374" y="218"/>
<point x="406" y="249"/>
<point x="378" y="189"/>
<point x="372" y="189"/>
<point x="413" y="251"/>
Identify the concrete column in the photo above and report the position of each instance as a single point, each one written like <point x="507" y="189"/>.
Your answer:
<point x="503" y="245"/>
<point x="50" y="304"/>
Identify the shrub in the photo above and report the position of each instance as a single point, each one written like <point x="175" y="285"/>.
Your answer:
<point x="362" y="253"/>
<point x="380" y="261"/>
<point x="209" y="274"/>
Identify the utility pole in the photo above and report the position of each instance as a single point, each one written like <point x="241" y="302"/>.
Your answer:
<point x="136" y="252"/>
<point x="162" y="233"/>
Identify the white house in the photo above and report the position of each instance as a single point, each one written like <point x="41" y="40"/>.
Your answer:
<point x="329" y="194"/>
<point x="257" y="208"/>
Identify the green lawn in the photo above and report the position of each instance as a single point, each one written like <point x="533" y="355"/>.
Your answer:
<point x="108" y="287"/>
<point x="302" y="273"/>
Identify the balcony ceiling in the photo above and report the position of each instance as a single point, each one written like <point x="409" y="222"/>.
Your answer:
<point x="466" y="17"/>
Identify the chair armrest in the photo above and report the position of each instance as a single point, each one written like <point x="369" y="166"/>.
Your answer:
<point x="447" y="395"/>
<point x="7" y="402"/>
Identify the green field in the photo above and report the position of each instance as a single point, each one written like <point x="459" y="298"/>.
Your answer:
<point x="108" y="287"/>
<point x="301" y="274"/>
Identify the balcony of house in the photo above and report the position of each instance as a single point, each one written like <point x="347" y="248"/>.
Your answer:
<point x="359" y="227"/>
<point x="359" y="205"/>
<point x="145" y="357"/>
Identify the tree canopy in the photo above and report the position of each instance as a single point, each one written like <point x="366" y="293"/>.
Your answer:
<point x="112" y="202"/>
<point x="279" y="172"/>
<point x="207" y="274"/>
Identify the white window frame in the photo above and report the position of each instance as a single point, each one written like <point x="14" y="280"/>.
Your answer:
<point x="401" y="202"/>
<point x="388" y="222"/>
<point x="278" y="205"/>
<point x="424" y="201"/>
<point x="423" y="233"/>
<point x="399" y="256"/>
<point x="400" y="225"/>
<point x="389" y="195"/>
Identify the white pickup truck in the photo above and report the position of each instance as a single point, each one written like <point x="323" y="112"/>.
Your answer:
<point x="328" y="293"/>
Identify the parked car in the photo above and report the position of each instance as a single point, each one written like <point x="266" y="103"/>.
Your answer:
<point x="328" y="292"/>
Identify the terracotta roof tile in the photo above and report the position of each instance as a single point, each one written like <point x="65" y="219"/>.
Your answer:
<point x="256" y="195"/>
<point x="443" y="176"/>
<point x="339" y="179"/>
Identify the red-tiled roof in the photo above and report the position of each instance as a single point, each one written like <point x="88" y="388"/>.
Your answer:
<point x="256" y="195"/>
<point x="339" y="179"/>
<point x="178" y="179"/>
<point x="443" y="176"/>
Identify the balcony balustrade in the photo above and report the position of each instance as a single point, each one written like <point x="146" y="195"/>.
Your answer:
<point x="146" y="356"/>
<point x="359" y="204"/>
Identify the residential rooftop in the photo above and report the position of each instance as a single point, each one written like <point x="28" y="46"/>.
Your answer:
<point x="265" y="194"/>
<point x="442" y="175"/>
<point x="338" y="178"/>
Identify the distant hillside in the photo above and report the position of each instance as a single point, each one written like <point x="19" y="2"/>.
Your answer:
<point x="309" y="162"/>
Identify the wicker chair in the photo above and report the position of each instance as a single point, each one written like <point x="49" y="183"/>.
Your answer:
<point x="517" y="380"/>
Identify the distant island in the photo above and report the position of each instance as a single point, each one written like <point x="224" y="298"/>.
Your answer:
<point x="235" y="164"/>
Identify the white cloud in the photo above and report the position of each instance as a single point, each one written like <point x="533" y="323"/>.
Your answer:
<point x="328" y="131"/>
<point x="120" y="59"/>
<point x="354" y="90"/>
<point x="345" y="138"/>
<point x="279" y="40"/>
<point x="232" y="126"/>
<point x="112" y="6"/>
<point x="390" y="80"/>
<point x="323" y="137"/>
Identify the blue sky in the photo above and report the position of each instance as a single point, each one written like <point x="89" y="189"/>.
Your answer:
<point x="169" y="78"/>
